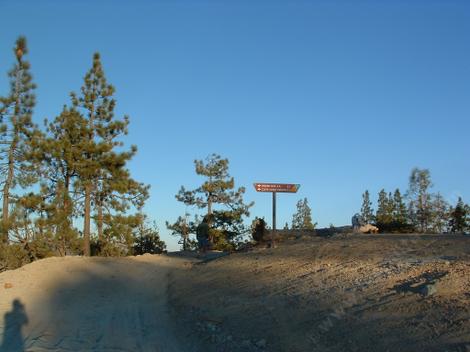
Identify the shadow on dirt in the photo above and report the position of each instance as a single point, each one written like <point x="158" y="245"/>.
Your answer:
<point x="13" y="322"/>
<point x="421" y="283"/>
<point x="107" y="304"/>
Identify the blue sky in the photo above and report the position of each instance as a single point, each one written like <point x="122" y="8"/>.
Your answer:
<point x="339" y="96"/>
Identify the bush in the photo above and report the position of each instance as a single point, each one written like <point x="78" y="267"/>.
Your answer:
<point x="13" y="256"/>
<point x="395" y="227"/>
<point x="149" y="243"/>
<point x="258" y="229"/>
<point x="108" y="248"/>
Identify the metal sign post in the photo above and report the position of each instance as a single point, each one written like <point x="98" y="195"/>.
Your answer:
<point x="274" y="219"/>
<point x="275" y="188"/>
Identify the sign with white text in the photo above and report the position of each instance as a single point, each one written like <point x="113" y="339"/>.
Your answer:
<point x="277" y="187"/>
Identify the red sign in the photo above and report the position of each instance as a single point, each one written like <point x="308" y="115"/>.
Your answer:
<point x="276" y="187"/>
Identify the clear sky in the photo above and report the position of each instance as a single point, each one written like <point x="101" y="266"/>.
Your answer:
<point x="339" y="96"/>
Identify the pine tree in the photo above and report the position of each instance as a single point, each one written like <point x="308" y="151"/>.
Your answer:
<point x="104" y="179"/>
<point x="96" y="101"/>
<point x="399" y="209"/>
<point x="123" y="229"/>
<point x="224" y="205"/>
<point x="390" y="206"/>
<point x="420" y="198"/>
<point x="302" y="219"/>
<point x="16" y="129"/>
<point x="182" y="228"/>
<point x="367" y="213"/>
<point x="459" y="217"/>
<point x="439" y="214"/>
<point x="384" y="214"/>
<point x="400" y="221"/>
<point x="60" y="155"/>
<point x="116" y="192"/>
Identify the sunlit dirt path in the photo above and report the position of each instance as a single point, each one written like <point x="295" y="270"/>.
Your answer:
<point x="89" y="304"/>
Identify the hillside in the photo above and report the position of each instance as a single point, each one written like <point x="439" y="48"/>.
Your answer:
<point x="346" y="293"/>
<point x="343" y="293"/>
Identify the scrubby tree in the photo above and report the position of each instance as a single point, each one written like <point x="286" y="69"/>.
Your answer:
<point x="258" y="229"/>
<point x="222" y="202"/>
<point x="367" y="213"/>
<point x="182" y="228"/>
<point x="420" y="198"/>
<point x="16" y="130"/>
<point x="302" y="219"/>
<point x="147" y="239"/>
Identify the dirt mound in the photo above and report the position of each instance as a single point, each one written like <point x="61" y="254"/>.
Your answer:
<point x="346" y="293"/>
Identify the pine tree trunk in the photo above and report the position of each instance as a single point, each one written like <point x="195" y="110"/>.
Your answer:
<point x="209" y="217"/>
<point x="11" y="159"/>
<point x="209" y="206"/>
<point x="64" y="226"/>
<point x="100" y="221"/>
<point x="6" y="192"/>
<point x="86" y="221"/>
<point x="88" y="189"/>
<point x="67" y="205"/>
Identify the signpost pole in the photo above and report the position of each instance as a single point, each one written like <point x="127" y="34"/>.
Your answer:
<point x="275" y="188"/>
<point x="274" y="220"/>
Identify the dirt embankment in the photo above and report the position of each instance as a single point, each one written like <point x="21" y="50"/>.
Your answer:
<point x="346" y="293"/>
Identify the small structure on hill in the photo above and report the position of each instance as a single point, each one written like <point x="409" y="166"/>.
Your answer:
<point x="359" y="225"/>
<point x="368" y="229"/>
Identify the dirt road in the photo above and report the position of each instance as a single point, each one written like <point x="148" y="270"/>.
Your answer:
<point x="88" y="304"/>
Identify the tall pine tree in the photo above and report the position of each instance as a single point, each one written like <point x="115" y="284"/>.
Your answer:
<point x="104" y="179"/>
<point x="400" y="221"/>
<point x="16" y="129"/>
<point x="399" y="209"/>
<point x="367" y="213"/>
<point x="384" y="214"/>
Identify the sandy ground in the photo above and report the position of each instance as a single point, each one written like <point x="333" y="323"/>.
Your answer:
<point x="88" y="304"/>
<point x="346" y="293"/>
